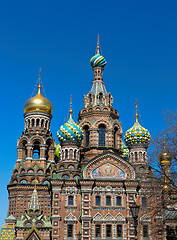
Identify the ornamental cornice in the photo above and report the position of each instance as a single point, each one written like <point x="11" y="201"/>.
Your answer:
<point x="109" y="218"/>
<point x="108" y="189"/>
<point x="37" y="114"/>
<point x="98" y="113"/>
<point x="20" y="186"/>
<point x="102" y="183"/>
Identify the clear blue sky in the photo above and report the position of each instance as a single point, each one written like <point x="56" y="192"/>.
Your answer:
<point x="137" y="38"/>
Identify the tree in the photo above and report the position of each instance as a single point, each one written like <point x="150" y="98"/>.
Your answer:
<point x="157" y="144"/>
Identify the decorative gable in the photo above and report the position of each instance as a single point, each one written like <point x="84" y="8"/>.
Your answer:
<point x="145" y="218"/>
<point x="120" y="218"/>
<point x="33" y="235"/>
<point x="109" y="166"/>
<point x="98" y="217"/>
<point x="108" y="217"/>
<point x="70" y="218"/>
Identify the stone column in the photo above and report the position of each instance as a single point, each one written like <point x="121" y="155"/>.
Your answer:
<point x="29" y="148"/>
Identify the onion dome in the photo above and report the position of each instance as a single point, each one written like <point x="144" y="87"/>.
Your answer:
<point x="38" y="103"/>
<point x="137" y="135"/>
<point x="57" y="151"/>
<point x="98" y="60"/>
<point x="70" y="131"/>
<point x="165" y="156"/>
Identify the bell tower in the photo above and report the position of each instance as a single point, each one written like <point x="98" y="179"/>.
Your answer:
<point x="35" y="154"/>
<point x="98" y="119"/>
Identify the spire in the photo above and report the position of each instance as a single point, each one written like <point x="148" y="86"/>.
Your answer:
<point x="136" y="107"/>
<point x="39" y="85"/>
<point x="165" y="156"/>
<point x="70" y="110"/>
<point x="98" y="42"/>
<point x="34" y="202"/>
<point x="164" y="140"/>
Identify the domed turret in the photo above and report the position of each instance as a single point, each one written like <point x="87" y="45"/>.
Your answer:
<point x="165" y="159"/>
<point x="165" y="156"/>
<point x="137" y="135"/>
<point x="38" y="102"/>
<point x="70" y="131"/>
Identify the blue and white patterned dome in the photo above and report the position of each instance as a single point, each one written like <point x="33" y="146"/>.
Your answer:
<point x="70" y="131"/>
<point x="137" y="135"/>
<point x="97" y="61"/>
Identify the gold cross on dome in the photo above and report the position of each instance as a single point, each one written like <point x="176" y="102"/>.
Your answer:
<point x="136" y="107"/>
<point x="98" y="42"/>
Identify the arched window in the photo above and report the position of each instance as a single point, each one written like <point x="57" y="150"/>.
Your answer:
<point x="32" y="122"/>
<point x="97" y="200"/>
<point x="101" y="135"/>
<point x="118" y="201"/>
<point x="100" y="98"/>
<point x="24" y="153"/>
<point x="87" y="135"/>
<point x="136" y="156"/>
<point x="15" y="172"/>
<point x="22" y="171"/>
<point x="42" y="123"/>
<point x="47" y="154"/>
<point x="115" y="137"/>
<point x="23" y="181"/>
<point x="28" y="123"/>
<point x="36" y="150"/>
<point x="37" y="122"/>
<point x="119" y="230"/>
<point x="40" y="171"/>
<point x="98" y="231"/>
<point x="66" y="153"/>
<point x="108" y="201"/>
<point x="90" y="98"/>
<point x="144" y="156"/>
<point x="75" y="153"/>
<point x="70" y="231"/>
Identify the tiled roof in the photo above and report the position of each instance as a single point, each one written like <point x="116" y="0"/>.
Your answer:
<point x="170" y="214"/>
<point x="7" y="233"/>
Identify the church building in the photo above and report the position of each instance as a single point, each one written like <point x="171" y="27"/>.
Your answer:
<point x="90" y="185"/>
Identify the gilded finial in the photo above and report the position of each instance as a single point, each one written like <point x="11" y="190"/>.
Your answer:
<point x="39" y="85"/>
<point x="35" y="182"/>
<point x="70" y="110"/>
<point x="39" y="75"/>
<point x="136" y="107"/>
<point x="98" y="42"/>
<point x="164" y="141"/>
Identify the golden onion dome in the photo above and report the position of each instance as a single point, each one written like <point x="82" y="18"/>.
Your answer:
<point x="38" y="103"/>
<point x="165" y="156"/>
